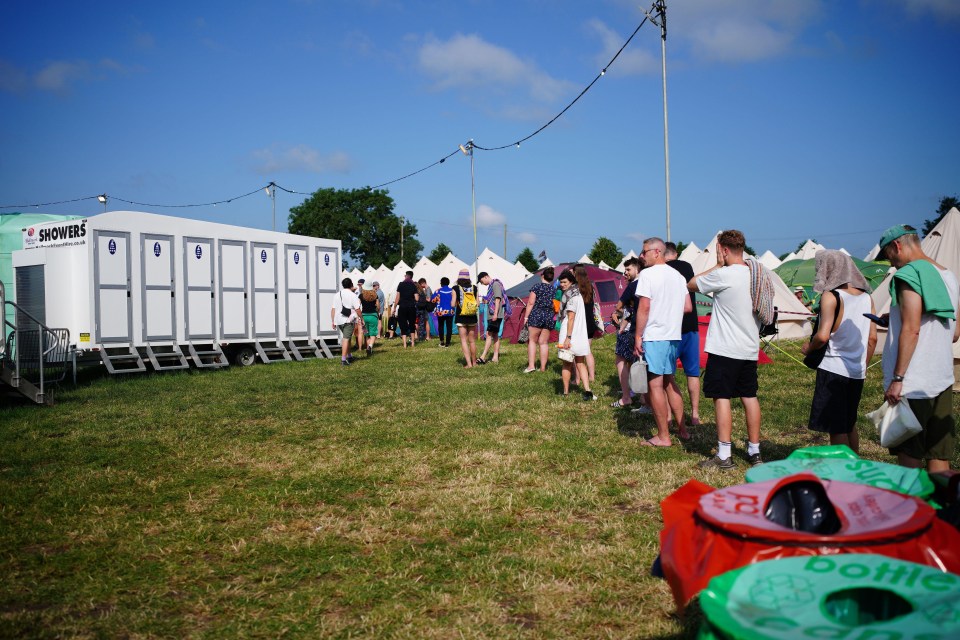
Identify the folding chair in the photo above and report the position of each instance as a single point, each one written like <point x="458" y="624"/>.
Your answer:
<point x="769" y="332"/>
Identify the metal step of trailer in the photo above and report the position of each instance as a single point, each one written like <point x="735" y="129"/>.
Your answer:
<point x="207" y="355"/>
<point x="166" y="357"/>
<point x="20" y="386"/>
<point x="303" y="349"/>
<point x="271" y="352"/>
<point x="329" y="346"/>
<point x="122" y="359"/>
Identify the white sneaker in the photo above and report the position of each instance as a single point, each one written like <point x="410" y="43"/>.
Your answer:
<point x="642" y="410"/>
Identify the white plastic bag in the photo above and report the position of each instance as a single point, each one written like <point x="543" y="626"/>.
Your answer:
<point x="638" y="376"/>
<point x="896" y="424"/>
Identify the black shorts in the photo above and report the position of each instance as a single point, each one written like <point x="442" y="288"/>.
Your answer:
<point x="730" y="378"/>
<point x="493" y="326"/>
<point x="836" y="402"/>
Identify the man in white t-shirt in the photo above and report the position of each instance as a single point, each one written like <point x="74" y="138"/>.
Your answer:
<point x="918" y="353"/>
<point x="343" y="314"/>
<point x="662" y="298"/>
<point x="733" y="344"/>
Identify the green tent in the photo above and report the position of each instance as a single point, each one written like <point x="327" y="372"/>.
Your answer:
<point x="11" y="239"/>
<point x="800" y="273"/>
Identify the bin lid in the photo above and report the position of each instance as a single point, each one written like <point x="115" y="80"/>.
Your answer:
<point x="865" y="514"/>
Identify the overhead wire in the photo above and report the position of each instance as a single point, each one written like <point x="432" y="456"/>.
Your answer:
<point x="573" y="102"/>
<point x="382" y="184"/>
<point x="177" y="206"/>
<point x="45" y="204"/>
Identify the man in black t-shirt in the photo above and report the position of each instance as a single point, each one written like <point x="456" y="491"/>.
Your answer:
<point x="405" y="308"/>
<point x="626" y="313"/>
<point x="689" y="339"/>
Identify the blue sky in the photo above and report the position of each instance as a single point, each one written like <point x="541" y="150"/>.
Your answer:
<point x="789" y="119"/>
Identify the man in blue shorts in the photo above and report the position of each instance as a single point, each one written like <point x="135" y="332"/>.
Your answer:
<point x="689" y="338"/>
<point x="733" y="342"/>
<point x="662" y="299"/>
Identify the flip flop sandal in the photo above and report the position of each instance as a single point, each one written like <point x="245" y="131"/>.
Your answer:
<point x="481" y="361"/>
<point x="648" y="443"/>
<point x="619" y="405"/>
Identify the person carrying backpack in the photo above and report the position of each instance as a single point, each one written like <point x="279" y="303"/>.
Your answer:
<point x="498" y="307"/>
<point x="443" y="298"/>
<point x="465" y="302"/>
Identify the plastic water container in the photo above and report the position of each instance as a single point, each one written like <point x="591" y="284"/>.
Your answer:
<point x="638" y="376"/>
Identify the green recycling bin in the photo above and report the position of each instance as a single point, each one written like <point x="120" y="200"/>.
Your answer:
<point x="911" y="482"/>
<point x="850" y="596"/>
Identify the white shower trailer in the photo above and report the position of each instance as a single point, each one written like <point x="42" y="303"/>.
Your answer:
<point x="137" y="289"/>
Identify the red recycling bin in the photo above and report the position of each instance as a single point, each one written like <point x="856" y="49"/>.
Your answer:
<point x="708" y="531"/>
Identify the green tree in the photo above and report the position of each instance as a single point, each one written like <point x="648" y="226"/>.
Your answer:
<point x="605" y="250"/>
<point x="528" y="260"/>
<point x="364" y="222"/>
<point x="946" y="203"/>
<point x="680" y="247"/>
<point x="439" y="253"/>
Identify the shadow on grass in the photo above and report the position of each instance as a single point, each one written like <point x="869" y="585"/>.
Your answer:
<point x="689" y="622"/>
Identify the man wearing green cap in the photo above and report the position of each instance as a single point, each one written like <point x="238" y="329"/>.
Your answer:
<point x="918" y="354"/>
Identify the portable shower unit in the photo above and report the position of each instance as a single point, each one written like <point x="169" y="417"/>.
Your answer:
<point x="137" y="289"/>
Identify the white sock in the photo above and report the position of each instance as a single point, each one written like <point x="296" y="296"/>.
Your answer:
<point x="753" y="448"/>
<point x="723" y="450"/>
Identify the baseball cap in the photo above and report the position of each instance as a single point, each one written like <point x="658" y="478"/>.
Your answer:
<point x="895" y="232"/>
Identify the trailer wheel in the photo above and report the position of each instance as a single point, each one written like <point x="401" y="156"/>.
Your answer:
<point x="244" y="356"/>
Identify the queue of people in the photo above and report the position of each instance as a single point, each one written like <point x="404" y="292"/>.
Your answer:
<point x="656" y="322"/>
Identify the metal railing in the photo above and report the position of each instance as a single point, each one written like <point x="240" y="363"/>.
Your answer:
<point x="39" y="356"/>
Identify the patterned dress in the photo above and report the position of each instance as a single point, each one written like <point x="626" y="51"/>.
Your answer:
<point x="541" y="315"/>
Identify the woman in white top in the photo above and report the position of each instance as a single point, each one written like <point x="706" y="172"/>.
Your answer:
<point x="850" y="339"/>
<point x="573" y="338"/>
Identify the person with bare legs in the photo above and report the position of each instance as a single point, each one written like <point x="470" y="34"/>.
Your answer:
<point x="733" y="345"/>
<point x="573" y="338"/>
<point x="918" y="353"/>
<point x="850" y="338"/>
<point x="585" y="287"/>
<point x="625" y="315"/>
<point x="661" y="301"/>
<point x="343" y="315"/>
<point x="405" y="308"/>
<point x="465" y="302"/>
<point x="538" y="318"/>
<point x="689" y="339"/>
<point x="496" y="301"/>
<point x="370" y="308"/>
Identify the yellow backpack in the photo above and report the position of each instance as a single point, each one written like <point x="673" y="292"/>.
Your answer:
<point x="468" y="304"/>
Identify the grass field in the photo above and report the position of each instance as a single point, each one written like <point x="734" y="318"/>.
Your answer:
<point x="401" y="497"/>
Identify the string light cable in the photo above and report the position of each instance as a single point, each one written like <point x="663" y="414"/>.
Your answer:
<point x="103" y="197"/>
<point x="46" y="204"/>
<point x="198" y="204"/>
<point x="575" y="100"/>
